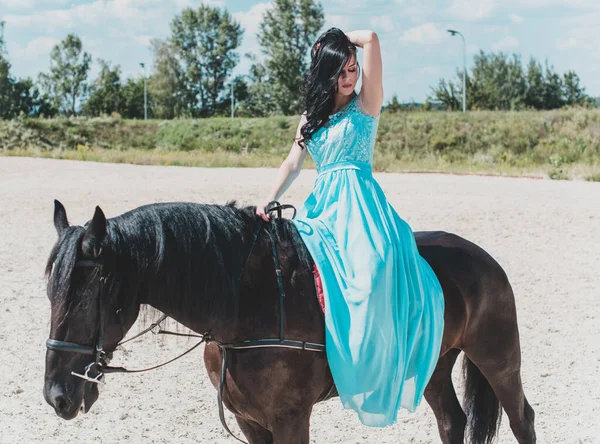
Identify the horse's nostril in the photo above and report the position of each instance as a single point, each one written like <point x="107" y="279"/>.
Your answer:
<point x="60" y="403"/>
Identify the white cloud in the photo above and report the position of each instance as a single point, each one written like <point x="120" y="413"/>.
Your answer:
<point x="563" y="44"/>
<point x="135" y="15"/>
<point x="508" y="42"/>
<point x="416" y="10"/>
<point x="416" y="76"/>
<point x="523" y="4"/>
<point x="493" y="29"/>
<point x="473" y="49"/>
<point x="471" y="10"/>
<point x="429" y="70"/>
<point x="143" y="40"/>
<point x="251" y="19"/>
<point x="516" y="19"/>
<point x="344" y="22"/>
<point x="427" y="34"/>
<point x="583" y="35"/>
<point x="96" y="47"/>
<point x="36" y="48"/>
<point x="360" y="5"/>
<point x="98" y="12"/>
<point x="18" y="5"/>
<point x="382" y="23"/>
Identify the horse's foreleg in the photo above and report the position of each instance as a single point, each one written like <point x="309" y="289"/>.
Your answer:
<point x="440" y="395"/>
<point x="254" y="432"/>
<point x="292" y="428"/>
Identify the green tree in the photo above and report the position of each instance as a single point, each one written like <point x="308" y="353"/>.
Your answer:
<point x="133" y="96"/>
<point x="553" y="89"/>
<point x="166" y="86"/>
<point x="66" y="81"/>
<point x="26" y="99"/>
<point x="449" y="95"/>
<point x="573" y="92"/>
<point x="6" y="82"/>
<point x="240" y="91"/>
<point x="286" y="35"/>
<point x="534" y="98"/>
<point x="106" y="93"/>
<point x="205" y="40"/>
<point x="499" y="81"/>
<point x="18" y="96"/>
<point x="260" y="100"/>
<point x="394" y="105"/>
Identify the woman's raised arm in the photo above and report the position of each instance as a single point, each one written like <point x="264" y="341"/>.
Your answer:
<point x="371" y="94"/>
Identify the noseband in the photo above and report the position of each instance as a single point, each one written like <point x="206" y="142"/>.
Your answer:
<point x="95" y="370"/>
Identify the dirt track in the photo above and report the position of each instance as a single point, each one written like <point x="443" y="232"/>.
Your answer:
<point x="546" y="235"/>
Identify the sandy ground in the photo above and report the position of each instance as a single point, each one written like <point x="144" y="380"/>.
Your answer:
<point x="546" y="235"/>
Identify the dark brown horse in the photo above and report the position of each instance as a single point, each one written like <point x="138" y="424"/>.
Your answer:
<point x="203" y="266"/>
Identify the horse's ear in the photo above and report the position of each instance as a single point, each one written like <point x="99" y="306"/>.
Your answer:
<point x="91" y="245"/>
<point x="60" y="217"/>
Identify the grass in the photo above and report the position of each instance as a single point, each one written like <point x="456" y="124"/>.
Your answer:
<point x="563" y="144"/>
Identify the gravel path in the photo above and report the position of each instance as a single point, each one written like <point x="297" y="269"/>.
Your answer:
<point x="546" y="235"/>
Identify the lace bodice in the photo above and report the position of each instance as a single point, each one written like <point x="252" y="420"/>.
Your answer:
<point x="348" y="136"/>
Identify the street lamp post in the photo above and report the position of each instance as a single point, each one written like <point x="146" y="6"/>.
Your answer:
<point x="232" y="93"/>
<point x="219" y="58"/>
<point x="143" y="65"/>
<point x="453" y="32"/>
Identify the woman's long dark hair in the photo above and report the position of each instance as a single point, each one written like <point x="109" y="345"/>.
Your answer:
<point x="330" y="53"/>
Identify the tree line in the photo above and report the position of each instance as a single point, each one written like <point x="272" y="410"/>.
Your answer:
<point x="191" y="73"/>
<point x="501" y="82"/>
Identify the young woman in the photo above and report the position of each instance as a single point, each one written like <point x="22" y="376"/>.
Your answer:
<point x="384" y="307"/>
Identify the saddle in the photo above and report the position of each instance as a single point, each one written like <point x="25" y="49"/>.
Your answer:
<point x="319" y="288"/>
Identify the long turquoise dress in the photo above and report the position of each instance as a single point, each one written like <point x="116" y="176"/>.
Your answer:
<point x="384" y="307"/>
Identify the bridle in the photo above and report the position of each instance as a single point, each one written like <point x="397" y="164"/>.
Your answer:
<point x="96" y="369"/>
<point x="101" y="357"/>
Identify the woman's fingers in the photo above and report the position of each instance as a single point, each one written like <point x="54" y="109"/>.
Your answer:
<point x="260" y="212"/>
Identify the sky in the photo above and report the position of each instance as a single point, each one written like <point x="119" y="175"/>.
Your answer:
<point x="417" y="50"/>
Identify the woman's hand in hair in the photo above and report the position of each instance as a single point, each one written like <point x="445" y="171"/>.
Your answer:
<point x="361" y="38"/>
<point x="371" y="94"/>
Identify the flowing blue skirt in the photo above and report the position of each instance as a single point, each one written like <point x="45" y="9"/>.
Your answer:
<point x="384" y="307"/>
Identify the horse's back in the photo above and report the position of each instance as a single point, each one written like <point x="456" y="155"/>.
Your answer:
<point x="436" y="246"/>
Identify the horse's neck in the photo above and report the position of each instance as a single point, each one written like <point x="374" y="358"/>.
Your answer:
<point x="191" y="314"/>
<point x="187" y="296"/>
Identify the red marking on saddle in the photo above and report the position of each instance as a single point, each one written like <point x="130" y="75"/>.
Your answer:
<point x="319" y="286"/>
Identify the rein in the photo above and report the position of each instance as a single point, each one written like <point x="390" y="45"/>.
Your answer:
<point x="95" y="371"/>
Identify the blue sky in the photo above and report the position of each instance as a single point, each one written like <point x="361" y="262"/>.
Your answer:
<point x="416" y="48"/>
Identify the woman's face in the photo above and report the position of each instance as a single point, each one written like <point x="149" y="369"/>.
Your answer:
<point x="348" y="78"/>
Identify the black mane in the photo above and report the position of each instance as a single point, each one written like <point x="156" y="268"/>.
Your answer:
<point x="195" y="250"/>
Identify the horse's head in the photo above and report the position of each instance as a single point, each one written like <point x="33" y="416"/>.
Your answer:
<point x="90" y="312"/>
